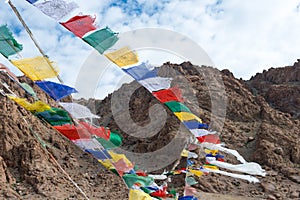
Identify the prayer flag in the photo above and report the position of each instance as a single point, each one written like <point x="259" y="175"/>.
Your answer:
<point x="186" y="116"/>
<point x="72" y="132"/>
<point x="56" y="91"/>
<point x="38" y="68"/>
<point x="142" y="71"/>
<point x="78" y="111"/>
<point x="101" y="132"/>
<point x="99" y="154"/>
<point x="156" y="83"/>
<point x="37" y="106"/>
<point x="55" y="116"/>
<point x="194" y="125"/>
<point x="80" y="25"/>
<point x="102" y="39"/>
<point x="32" y="1"/>
<point x="131" y="179"/>
<point x="138" y="195"/>
<point x="8" y="44"/>
<point x="175" y="106"/>
<point x="56" y="9"/>
<point x="171" y="94"/>
<point x="123" y="57"/>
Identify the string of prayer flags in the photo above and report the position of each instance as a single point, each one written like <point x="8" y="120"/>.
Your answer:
<point x="55" y="116"/>
<point x="102" y="39"/>
<point x="38" y="68"/>
<point x="156" y="83"/>
<point x="78" y="111"/>
<point x="55" y="9"/>
<point x="8" y="45"/>
<point x="80" y="25"/>
<point x="142" y="71"/>
<point x="56" y="91"/>
<point x="123" y="57"/>
<point x="170" y="94"/>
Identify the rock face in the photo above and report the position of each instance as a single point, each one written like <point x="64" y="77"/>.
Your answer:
<point x="262" y="133"/>
<point x="280" y="87"/>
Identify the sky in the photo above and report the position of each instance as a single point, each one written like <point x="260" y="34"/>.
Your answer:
<point x="245" y="37"/>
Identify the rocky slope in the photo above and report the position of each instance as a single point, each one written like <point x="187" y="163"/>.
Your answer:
<point x="280" y="87"/>
<point x="28" y="171"/>
<point x="261" y="133"/>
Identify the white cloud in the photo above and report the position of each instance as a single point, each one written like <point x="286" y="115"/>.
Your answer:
<point x="243" y="36"/>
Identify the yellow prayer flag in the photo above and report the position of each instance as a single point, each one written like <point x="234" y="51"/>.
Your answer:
<point x="196" y="172"/>
<point x="209" y="151"/>
<point x="37" y="106"/>
<point x="184" y="153"/>
<point x="107" y="164"/>
<point x="115" y="158"/>
<point x="38" y="68"/>
<point x="123" y="57"/>
<point x="138" y="195"/>
<point x="186" y="116"/>
<point x="213" y="167"/>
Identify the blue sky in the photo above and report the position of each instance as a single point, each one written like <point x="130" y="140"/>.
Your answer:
<point x="245" y="37"/>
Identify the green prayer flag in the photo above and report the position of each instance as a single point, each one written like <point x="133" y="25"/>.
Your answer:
<point x="116" y="139"/>
<point x="102" y="39"/>
<point x="28" y="89"/>
<point x="8" y="44"/>
<point x="106" y="143"/>
<point x="190" y="181"/>
<point x="131" y="179"/>
<point x="175" y="106"/>
<point x="55" y="117"/>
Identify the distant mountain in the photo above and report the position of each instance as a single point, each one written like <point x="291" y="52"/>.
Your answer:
<point x="280" y="87"/>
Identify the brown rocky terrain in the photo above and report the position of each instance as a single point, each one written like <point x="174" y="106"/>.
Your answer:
<point x="280" y="87"/>
<point x="27" y="170"/>
<point x="260" y="132"/>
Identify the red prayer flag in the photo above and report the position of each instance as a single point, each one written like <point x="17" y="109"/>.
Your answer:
<point x="73" y="132"/>
<point x="80" y="25"/>
<point x="213" y="138"/>
<point x="171" y="94"/>
<point x="101" y="132"/>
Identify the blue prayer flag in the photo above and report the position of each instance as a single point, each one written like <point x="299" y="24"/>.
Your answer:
<point x="141" y="72"/>
<point x="55" y="90"/>
<point x="99" y="154"/>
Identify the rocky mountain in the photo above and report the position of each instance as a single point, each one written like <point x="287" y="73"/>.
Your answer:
<point x="254" y="123"/>
<point x="280" y="87"/>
